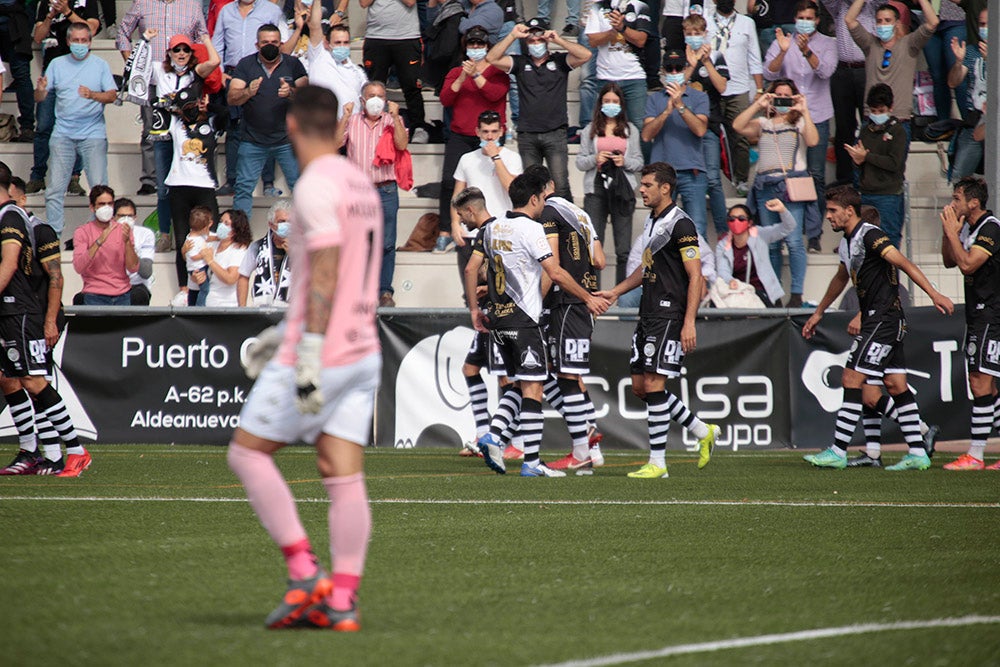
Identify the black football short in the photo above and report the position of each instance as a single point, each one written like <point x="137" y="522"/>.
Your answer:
<point x="982" y="349"/>
<point x="24" y="352"/>
<point x="523" y="353"/>
<point x="878" y="349"/>
<point x="570" y="329"/>
<point x="656" y="347"/>
<point x="483" y="353"/>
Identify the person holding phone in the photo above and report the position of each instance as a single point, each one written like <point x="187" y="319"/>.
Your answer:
<point x="783" y="133"/>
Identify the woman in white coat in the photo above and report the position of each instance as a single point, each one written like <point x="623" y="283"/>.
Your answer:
<point x="744" y="253"/>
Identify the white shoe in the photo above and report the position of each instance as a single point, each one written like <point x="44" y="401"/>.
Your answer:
<point x="596" y="457"/>
<point x="180" y="299"/>
<point x="540" y="470"/>
<point x="420" y="136"/>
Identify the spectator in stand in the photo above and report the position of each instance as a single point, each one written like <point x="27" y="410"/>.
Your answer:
<point x="970" y="68"/>
<point x="618" y="29"/>
<point x="707" y="71"/>
<point x="809" y="59"/>
<point x="104" y="253"/>
<point x="941" y="58"/>
<point x="167" y="18"/>
<point x="572" y="26"/>
<point x="144" y="241"/>
<point x="329" y="60"/>
<point x="265" y="274"/>
<point x="54" y="20"/>
<point x="15" y="50"/>
<point x="891" y="57"/>
<point x="542" y="79"/>
<point x="676" y="120"/>
<point x="179" y="80"/>
<point x="235" y="38"/>
<point x="847" y="85"/>
<point x="262" y="84"/>
<point x="782" y="16"/>
<point x="610" y="137"/>
<point x="469" y="90"/>
<point x="735" y="37"/>
<point x="82" y="85"/>
<point x="973" y="8"/>
<point x="587" y="86"/>
<point x="225" y="258"/>
<point x="362" y="133"/>
<point x="672" y="27"/>
<point x="198" y="284"/>
<point x="392" y="39"/>
<point x="783" y="134"/>
<point x="485" y="14"/>
<point x="881" y="156"/>
<point x="491" y="168"/>
<point x="744" y="253"/>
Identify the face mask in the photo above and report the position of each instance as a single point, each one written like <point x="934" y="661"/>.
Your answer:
<point x="538" y="50"/>
<point x="104" y="213"/>
<point x="340" y="53"/>
<point x="79" y="51"/>
<point x="780" y="108"/>
<point x="475" y="54"/>
<point x="694" y="41"/>
<point x="374" y="106"/>
<point x="269" y="52"/>
<point x="738" y="226"/>
<point x="611" y="110"/>
<point x="885" y="32"/>
<point x="283" y="230"/>
<point x="983" y="32"/>
<point x="180" y="69"/>
<point x="805" y="26"/>
<point x="307" y="3"/>
<point x="483" y="143"/>
<point x="879" y="118"/>
<point x="725" y="7"/>
<point x="223" y="231"/>
<point x="676" y="79"/>
<point x="127" y="220"/>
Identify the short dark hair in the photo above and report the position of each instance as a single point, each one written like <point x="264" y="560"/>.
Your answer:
<point x="974" y="187"/>
<point x="745" y="208"/>
<point x="200" y="218"/>
<point x="99" y="190"/>
<point x="340" y="27"/>
<point x="804" y="5"/>
<point x="488" y="117"/>
<point x="315" y="110"/>
<point x="663" y="173"/>
<point x="846" y="197"/>
<point x="471" y="196"/>
<point x="268" y="27"/>
<point x="79" y="26"/>
<point x="888" y="8"/>
<point x="540" y="173"/>
<point x="17" y="182"/>
<point x="125" y="202"/>
<point x="5" y="175"/>
<point x="880" y="95"/>
<point x="871" y="215"/>
<point x="522" y="189"/>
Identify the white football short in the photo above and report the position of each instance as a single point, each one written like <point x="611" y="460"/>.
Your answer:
<point x="348" y="406"/>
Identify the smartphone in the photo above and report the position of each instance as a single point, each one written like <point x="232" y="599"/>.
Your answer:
<point x="783" y="102"/>
<point x="616" y="152"/>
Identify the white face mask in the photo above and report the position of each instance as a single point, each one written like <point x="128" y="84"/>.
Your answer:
<point x="104" y="213"/>
<point x="374" y="106"/>
<point x="126" y="220"/>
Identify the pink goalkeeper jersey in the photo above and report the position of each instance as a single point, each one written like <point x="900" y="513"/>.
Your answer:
<point x="335" y="205"/>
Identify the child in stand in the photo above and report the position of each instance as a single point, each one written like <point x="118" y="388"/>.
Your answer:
<point x="198" y="275"/>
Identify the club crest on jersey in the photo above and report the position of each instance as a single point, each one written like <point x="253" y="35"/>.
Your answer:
<point x="647" y="258"/>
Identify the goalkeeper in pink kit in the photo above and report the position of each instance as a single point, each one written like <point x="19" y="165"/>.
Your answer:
<point x="320" y="385"/>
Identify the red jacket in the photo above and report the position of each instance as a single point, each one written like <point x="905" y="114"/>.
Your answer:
<point x="387" y="153"/>
<point x="470" y="100"/>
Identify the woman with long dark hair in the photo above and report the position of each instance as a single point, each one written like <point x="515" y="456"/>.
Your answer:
<point x="225" y="259"/>
<point x="610" y="141"/>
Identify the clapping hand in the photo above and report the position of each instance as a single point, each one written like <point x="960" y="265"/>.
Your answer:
<point x="255" y="85"/>
<point x="857" y="152"/>
<point x="617" y="20"/>
<point x="783" y="39"/>
<point x="43" y="84"/>
<point x="958" y="48"/>
<point x="803" y="43"/>
<point x="469" y="68"/>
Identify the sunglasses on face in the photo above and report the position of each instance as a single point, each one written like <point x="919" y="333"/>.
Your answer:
<point x="673" y="70"/>
<point x="886" y="57"/>
<point x="180" y="49"/>
<point x="735" y="218"/>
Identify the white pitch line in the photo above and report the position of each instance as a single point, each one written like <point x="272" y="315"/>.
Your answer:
<point x="540" y="501"/>
<point x="764" y="640"/>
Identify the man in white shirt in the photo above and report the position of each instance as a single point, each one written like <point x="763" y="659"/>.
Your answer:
<point x="329" y="60"/>
<point x="492" y="168"/>
<point x="619" y="30"/>
<point x="145" y="246"/>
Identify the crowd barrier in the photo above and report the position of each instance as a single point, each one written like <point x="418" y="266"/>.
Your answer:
<point x="165" y="375"/>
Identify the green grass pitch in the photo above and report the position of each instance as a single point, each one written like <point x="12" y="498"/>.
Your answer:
<point x="469" y="568"/>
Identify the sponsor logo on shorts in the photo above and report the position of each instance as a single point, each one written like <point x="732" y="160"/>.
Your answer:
<point x="993" y="352"/>
<point x="877" y="353"/>
<point x="577" y="349"/>
<point x="13" y="354"/>
<point x="672" y="353"/>
<point x="530" y="360"/>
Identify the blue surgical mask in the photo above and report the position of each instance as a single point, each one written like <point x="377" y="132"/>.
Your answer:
<point x="983" y="34"/>
<point x="283" y="230"/>
<point x="538" y="50"/>
<point x="340" y="53"/>
<point x="223" y="231"/>
<point x="79" y="51"/>
<point x="878" y="118"/>
<point x="676" y="79"/>
<point x="885" y="32"/>
<point x="805" y="26"/>
<point x="781" y="108"/>
<point x="611" y="110"/>
<point x="694" y="41"/>
<point x="475" y="54"/>
<point x="483" y="143"/>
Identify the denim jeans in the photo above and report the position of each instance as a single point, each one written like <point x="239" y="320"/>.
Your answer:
<point x="796" y="249"/>
<point x="712" y="150"/>
<point x="45" y="120"/>
<point x="20" y="69"/>
<point x="940" y="59"/>
<point x="588" y="84"/>
<point x="198" y="297"/>
<point x="890" y="210"/>
<point x="233" y="151"/>
<point x="635" y="98"/>
<point x="107" y="299"/>
<point x="389" y="194"/>
<point x="512" y="96"/>
<point x="630" y="299"/>
<point x="164" y="154"/>
<point x="692" y="188"/>
<point x="621" y="227"/>
<point x="63" y="153"/>
<point x="252" y="158"/>
<point x="968" y="155"/>
<point x="551" y="145"/>
<point x="572" y="10"/>
<point x="816" y="163"/>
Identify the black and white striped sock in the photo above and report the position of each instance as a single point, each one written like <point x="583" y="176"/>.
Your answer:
<point x="507" y="410"/>
<point x="552" y="392"/>
<point x="575" y="414"/>
<point x="531" y="427"/>
<point x="683" y="416"/>
<point x="24" y="419"/>
<point x="847" y="420"/>
<point x="49" y="437"/>
<point x="982" y="424"/>
<point x="52" y="405"/>
<point x="871" y="420"/>
<point x="658" y="406"/>
<point x="909" y="422"/>
<point x="479" y="399"/>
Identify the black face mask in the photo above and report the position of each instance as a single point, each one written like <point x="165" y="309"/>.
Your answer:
<point x="269" y="52"/>
<point x="725" y="7"/>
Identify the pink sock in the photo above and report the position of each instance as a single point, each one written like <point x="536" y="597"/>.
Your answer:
<point x="350" y="526"/>
<point x="300" y="559"/>
<point x="272" y="501"/>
